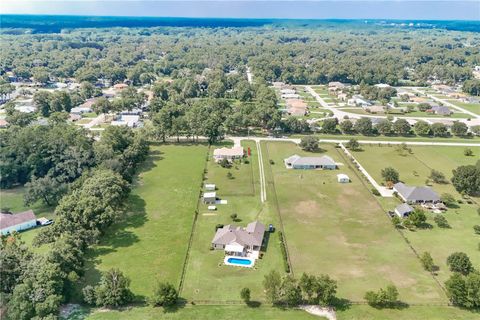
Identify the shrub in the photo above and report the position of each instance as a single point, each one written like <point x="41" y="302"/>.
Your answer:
<point x="460" y="262"/>
<point x="441" y="221"/>
<point x="245" y="295"/>
<point x="272" y="162"/>
<point x="284" y="252"/>
<point x="375" y="192"/>
<point x="427" y="262"/>
<point x="384" y="298"/>
<point x="164" y="294"/>
<point x="476" y="228"/>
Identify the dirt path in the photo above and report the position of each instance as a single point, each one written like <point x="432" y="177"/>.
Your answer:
<point x="263" y="191"/>
<point x="328" y="313"/>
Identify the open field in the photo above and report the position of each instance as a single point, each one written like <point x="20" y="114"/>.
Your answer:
<point x="414" y="169"/>
<point x="340" y="230"/>
<point x="206" y="277"/>
<point x="151" y="243"/>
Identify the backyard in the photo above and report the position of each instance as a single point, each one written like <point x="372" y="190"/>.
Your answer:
<point x="340" y="230"/>
<point x="206" y="277"/>
<point x="414" y="169"/>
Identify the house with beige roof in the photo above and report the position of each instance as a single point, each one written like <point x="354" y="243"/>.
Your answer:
<point x="228" y="153"/>
<point x="239" y="241"/>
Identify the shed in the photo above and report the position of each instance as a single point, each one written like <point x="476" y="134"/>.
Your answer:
<point x="343" y="178"/>
<point x="10" y="222"/>
<point x="210" y="187"/>
<point x="209" y="197"/>
<point x="403" y="210"/>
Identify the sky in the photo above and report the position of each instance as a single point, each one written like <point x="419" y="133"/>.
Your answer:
<point x="310" y="9"/>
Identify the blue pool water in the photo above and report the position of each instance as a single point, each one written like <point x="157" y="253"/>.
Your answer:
<point x="243" y="262"/>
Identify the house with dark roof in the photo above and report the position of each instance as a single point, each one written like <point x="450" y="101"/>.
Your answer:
<point x="10" y="222"/>
<point x="440" y="110"/>
<point x="415" y="194"/>
<point x="298" y="162"/>
<point x="239" y="241"/>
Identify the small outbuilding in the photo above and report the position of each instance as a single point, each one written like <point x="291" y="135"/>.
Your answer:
<point x="10" y="222"/>
<point x="210" y="187"/>
<point x="209" y="197"/>
<point x="343" y="178"/>
<point x="403" y="210"/>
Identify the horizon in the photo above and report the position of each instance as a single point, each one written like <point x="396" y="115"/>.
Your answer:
<point x="427" y="10"/>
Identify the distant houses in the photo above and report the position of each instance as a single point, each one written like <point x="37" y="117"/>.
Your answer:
<point x="238" y="241"/>
<point x="298" y="162"/>
<point x="10" y="222"/>
<point x="131" y="121"/>
<point x="415" y="195"/>
<point x="229" y="154"/>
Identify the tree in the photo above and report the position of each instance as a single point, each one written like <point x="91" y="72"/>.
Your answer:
<point x="422" y="128"/>
<point x="47" y="189"/>
<point x="389" y="174"/>
<point x="441" y="221"/>
<point x="14" y="255"/>
<point x="290" y="292"/>
<point x="460" y="262"/>
<point x="468" y="152"/>
<point x="113" y="289"/>
<point x="234" y="216"/>
<point x="346" y="126"/>
<point x="439" y="129"/>
<point x="384" y="298"/>
<point x="271" y="283"/>
<point x="384" y="127"/>
<point x="459" y="128"/>
<point x="102" y="105"/>
<point x="309" y="143"/>
<point x="245" y="295"/>
<point x="396" y="221"/>
<point x="476" y="229"/>
<point x="164" y="294"/>
<point x="417" y="218"/>
<point x="364" y="126"/>
<point x="20" y="119"/>
<point x="464" y="291"/>
<point x="427" y="262"/>
<point x="437" y="176"/>
<point x="466" y="179"/>
<point x="330" y="125"/>
<point x="448" y="199"/>
<point x="353" y="144"/>
<point x="471" y="87"/>
<point x="401" y="127"/>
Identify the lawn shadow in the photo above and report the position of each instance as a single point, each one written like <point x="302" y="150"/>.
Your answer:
<point x="266" y="240"/>
<point x="149" y="163"/>
<point x="254" y="304"/>
<point x="181" y="303"/>
<point x="341" y="304"/>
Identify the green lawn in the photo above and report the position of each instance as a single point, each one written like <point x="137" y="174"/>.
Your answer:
<point x="340" y="230"/>
<point x="414" y="169"/>
<point x="475" y="139"/>
<point x="13" y="200"/>
<point x="151" y="243"/>
<point x="207" y="278"/>
<point x="204" y="312"/>
<point x="472" y="107"/>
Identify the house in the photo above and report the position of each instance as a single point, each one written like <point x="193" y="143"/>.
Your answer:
<point x="129" y="121"/>
<point x="133" y="112"/>
<point x="358" y="100"/>
<point x="228" y="153"/>
<point x="120" y="86"/>
<point x="239" y="241"/>
<point x="403" y="210"/>
<point x="297" y="162"/>
<point x="441" y="110"/>
<point x="10" y="222"/>
<point x="25" y="109"/>
<point x="342" y="97"/>
<point x="210" y="187"/>
<point x="3" y="123"/>
<point x="382" y="85"/>
<point x="74" y="117"/>
<point x="288" y="91"/>
<point x="375" y="108"/>
<point x="296" y="107"/>
<point x="290" y="96"/>
<point x="81" y="110"/>
<point x="415" y="194"/>
<point x="343" y="178"/>
<point x="278" y="84"/>
<point x="209" y="197"/>
<point x="335" y="86"/>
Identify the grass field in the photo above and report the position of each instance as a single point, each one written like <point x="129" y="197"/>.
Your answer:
<point x="340" y="230"/>
<point x="206" y="277"/>
<point x="414" y="169"/>
<point x="472" y="107"/>
<point x="151" y="243"/>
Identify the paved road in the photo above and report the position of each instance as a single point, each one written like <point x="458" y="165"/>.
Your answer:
<point x="447" y="103"/>
<point x="249" y="75"/>
<point x="340" y="114"/>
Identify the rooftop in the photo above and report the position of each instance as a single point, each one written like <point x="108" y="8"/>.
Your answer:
<point x="12" y="219"/>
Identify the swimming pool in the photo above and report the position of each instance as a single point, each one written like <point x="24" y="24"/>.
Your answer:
<point x="241" y="262"/>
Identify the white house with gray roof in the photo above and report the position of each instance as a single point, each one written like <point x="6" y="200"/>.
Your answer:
<point x="10" y="222"/>
<point x="239" y="241"/>
<point x="403" y="210"/>
<point x="298" y="162"/>
<point x="415" y="194"/>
